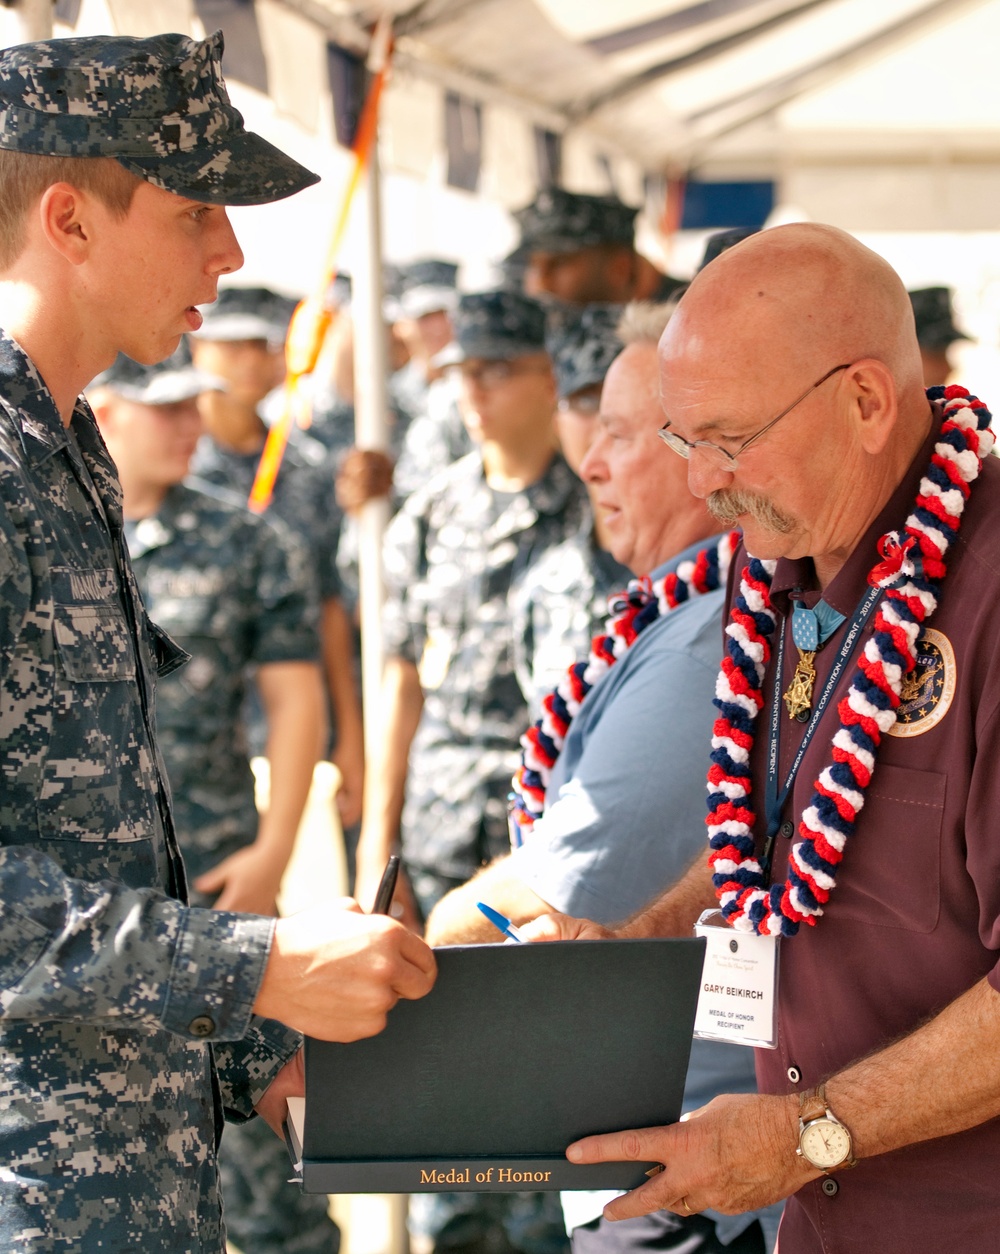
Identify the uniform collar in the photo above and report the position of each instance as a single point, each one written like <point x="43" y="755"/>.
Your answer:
<point x="550" y="493"/>
<point x="41" y="428"/>
<point x="38" y="422"/>
<point x="847" y="587"/>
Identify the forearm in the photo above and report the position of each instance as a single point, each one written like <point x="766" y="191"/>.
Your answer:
<point x="293" y="703"/>
<point x="457" y="920"/>
<point x="385" y="787"/>
<point x="939" y="1080"/>
<point x="103" y="953"/>
<point x="676" y="911"/>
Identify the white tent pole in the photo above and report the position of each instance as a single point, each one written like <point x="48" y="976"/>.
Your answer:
<point x="26" y="21"/>
<point x="371" y="431"/>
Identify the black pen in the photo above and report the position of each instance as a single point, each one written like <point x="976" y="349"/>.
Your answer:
<point x="387" y="886"/>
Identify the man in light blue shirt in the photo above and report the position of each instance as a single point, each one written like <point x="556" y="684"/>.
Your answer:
<point x="625" y="807"/>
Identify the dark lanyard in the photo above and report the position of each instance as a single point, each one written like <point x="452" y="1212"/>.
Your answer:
<point x="774" y="799"/>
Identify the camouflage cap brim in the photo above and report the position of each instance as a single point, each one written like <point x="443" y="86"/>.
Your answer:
<point x="247" y="170"/>
<point x="487" y="349"/>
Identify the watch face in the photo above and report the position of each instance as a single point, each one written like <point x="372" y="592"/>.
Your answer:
<point x="825" y="1143"/>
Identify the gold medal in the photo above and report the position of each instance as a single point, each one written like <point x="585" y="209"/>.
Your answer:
<point x="799" y="695"/>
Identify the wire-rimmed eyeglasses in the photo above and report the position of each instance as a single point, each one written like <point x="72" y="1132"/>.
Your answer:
<point x="722" y="457"/>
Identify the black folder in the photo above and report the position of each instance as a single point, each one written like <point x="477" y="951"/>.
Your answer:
<point x="517" y="1050"/>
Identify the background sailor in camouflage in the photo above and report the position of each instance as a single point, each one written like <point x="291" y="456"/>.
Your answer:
<point x="561" y="600"/>
<point x="578" y="248"/>
<point x="127" y="1024"/>
<point x="936" y="332"/>
<point x="452" y="707"/>
<point x="235" y="590"/>
<point x="241" y="339"/>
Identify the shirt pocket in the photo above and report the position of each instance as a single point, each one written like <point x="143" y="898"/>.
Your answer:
<point x="92" y="636"/>
<point x="98" y="785"/>
<point x="891" y="875"/>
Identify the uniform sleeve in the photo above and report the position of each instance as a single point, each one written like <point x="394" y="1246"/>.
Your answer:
<point x="247" y="1067"/>
<point x="327" y="518"/>
<point x="632" y="817"/>
<point x="15" y="584"/>
<point x="286" y="626"/>
<point x="103" y="953"/>
<point x="403" y="626"/>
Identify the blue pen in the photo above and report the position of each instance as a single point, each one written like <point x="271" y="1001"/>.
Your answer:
<point x="504" y="924"/>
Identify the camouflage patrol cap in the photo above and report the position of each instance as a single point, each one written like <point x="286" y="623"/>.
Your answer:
<point x="497" y="326"/>
<point x="558" y="221"/>
<point x="932" y="313"/>
<point x="583" y="347"/>
<point x="246" y="313"/>
<point x="158" y="106"/>
<point x="165" y="383"/>
<point x="722" y="241"/>
<point x="428" y="286"/>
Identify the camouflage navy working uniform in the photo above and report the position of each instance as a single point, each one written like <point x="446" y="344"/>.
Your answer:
<point x="126" y="1025"/>
<point x="558" y="607"/>
<point x="118" y="1003"/>
<point x="235" y="591"/>
<point x="452" y="554"/>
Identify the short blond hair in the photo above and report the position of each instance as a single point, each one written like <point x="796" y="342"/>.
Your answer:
<point x="25" y="176"/>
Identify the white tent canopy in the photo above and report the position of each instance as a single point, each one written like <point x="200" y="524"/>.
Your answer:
<point x="883" y="118"/>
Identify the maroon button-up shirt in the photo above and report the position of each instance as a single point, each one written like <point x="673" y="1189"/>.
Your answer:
<point x="914" y="919"/>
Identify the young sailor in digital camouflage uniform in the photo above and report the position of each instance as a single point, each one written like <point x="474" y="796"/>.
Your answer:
<point x="130" y="1023"/>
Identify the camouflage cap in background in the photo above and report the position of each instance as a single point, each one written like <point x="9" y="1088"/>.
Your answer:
<point x="932" y="312"/>
<point x="584" y="347"/>
<point x="558" y="221"/>
<point x="496" y="326"/>
<point x="165" y="383"/>
<point x="428" y="286"/>
<point x="721" y="241"/>
<point x="158" y="106"/>
<point x="247" y="313"/>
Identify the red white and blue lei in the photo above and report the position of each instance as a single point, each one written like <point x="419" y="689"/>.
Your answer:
<point x="910" y="573"/>
<point x="631" y="611"/>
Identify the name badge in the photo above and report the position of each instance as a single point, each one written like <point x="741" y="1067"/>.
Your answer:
<point x="739" y="980"/>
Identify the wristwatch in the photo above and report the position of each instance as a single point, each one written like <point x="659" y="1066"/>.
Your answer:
<point x="823" y="1140"/>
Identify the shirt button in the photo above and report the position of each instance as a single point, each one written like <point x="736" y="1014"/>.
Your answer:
<point x="803" y="716"/>
<point x="830" y="1187"/>
<point x="202" y="1025"/>
<point x="787" y="829"/>
<point x="794" y="1074"/>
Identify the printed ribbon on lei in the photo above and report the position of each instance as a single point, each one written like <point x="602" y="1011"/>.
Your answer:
<point x="910" y="571"/>
<point x="632" y="611"/>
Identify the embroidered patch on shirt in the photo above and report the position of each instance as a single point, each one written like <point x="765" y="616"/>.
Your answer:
<point x="929" y="689"/>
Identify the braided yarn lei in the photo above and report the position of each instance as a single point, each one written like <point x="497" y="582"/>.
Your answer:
<point x="632" y="611"/>
<point x="910" y="573"/>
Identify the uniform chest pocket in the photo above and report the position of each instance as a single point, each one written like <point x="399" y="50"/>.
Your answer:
<point x="91" y="634"/>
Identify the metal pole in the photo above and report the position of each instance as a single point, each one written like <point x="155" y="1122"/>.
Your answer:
<point x="371" y="431"/>
<point x="26" y="21"/>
